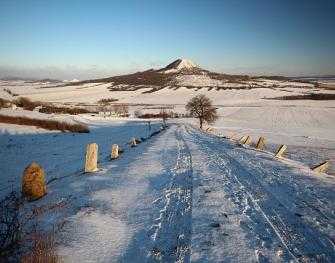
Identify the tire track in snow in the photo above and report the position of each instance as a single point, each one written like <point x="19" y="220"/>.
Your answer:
<point x="173" y="230"/>
<point x="301" y="241"/>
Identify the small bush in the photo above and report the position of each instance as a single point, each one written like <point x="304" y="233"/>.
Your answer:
<point x="26" y="103"/>
<point x="106" y="101"/>
<point x="161" y="115"/>
<point x="49" y="109"/>
<point x="3" y="103"/>
<point x="10" y="92"/>
<point x="150" y="116"/>
<point x="45" y="124"/>
<point x="311" y="96"/>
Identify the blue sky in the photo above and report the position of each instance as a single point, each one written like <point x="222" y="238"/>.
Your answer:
<point x="82" y="39"/>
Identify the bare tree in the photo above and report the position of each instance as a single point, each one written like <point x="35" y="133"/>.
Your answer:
<point x="201" y="107"/>
<point x="103" y="106"/>
<point x="121" y="109"/>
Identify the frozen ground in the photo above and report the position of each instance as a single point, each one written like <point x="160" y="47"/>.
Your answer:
<point x="187" y="196"/>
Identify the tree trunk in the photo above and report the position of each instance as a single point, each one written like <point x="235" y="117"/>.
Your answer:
<point x="201" y="121"/>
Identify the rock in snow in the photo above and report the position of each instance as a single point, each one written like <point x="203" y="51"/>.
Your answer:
<point x="91" y="163"/>
<point x="33" y="182"/>
<point x="115" y="151"/>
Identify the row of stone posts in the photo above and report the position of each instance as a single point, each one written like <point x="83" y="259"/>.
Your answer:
<point x="260" y="145"/>
<point x="246" y="140"/>
<point x="34" y="186"/>
<point x="33" y="181"/>
<point x="91" y="157"/>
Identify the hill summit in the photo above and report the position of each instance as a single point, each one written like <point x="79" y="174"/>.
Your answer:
<point x="178" y="65"/>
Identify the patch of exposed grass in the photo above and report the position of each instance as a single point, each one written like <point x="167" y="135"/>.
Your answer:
<point x="106" y="101"/>
<point x="62" y="110"/>
<point x="3" y="103"/>
<point x="26" y="103"/>
<point x="48" y="108"/>
<point x="45" y="124"/>
<point x="311" y="96"/>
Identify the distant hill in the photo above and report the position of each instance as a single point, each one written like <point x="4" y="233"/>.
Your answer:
<point x="184" y="73"/>
<point x="30" y="80"/>
<point x="168" y="75"/>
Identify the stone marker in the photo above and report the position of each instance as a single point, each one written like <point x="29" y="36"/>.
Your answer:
<point x="91" y="161"/>
<point x="33" y="182"/>
<point x="115" y="151"/>
<point x="261" y="143"/>
<point x="281" y="151"/>
<point x="243" y="139"/>
<point x="321" y="168"/>
<point x="133" y="142"/>
<point x="247" y="140"/>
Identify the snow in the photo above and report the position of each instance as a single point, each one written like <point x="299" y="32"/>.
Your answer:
<point x="306" y="126"/>
<point x="182" y="195"/>
<point x="178" y="65"/>
<point x="267" y="202"/>
<point x="188" y="196"/>
<point x="185" y="63"/>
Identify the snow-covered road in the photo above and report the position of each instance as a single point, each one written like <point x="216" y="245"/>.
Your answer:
<point x="189" y="196"/>
<point x="247" y="206"/>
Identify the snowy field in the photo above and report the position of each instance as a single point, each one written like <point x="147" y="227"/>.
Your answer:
<point x="183" y="195"/>
<point x="305" y="126"/>
<point x="186" y="196"/>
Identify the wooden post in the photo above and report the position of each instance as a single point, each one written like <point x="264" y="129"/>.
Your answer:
<point x="91" y="160"/>
<point x="281" y="151"/>
<point x="321" y="168"/>
<point x="261" y="143"/>
<point x="115" y="151"/>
